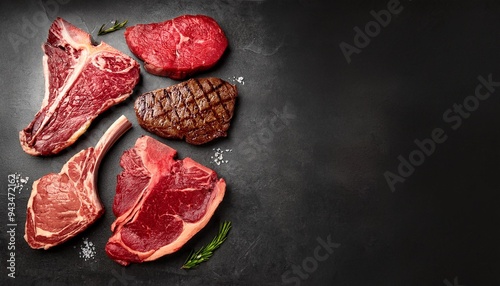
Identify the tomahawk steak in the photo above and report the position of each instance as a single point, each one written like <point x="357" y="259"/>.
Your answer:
<point x="160" y="202"/>
<point x="63" y="205"/>
<point x="82" y="80"/>
<point x="179" y="47"/>
<point x="198" y="110"/>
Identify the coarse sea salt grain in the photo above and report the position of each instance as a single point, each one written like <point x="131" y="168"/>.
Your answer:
<point x="87" y="250"/>
<point x="239" y="79"/>
<point x="218" y="157"/>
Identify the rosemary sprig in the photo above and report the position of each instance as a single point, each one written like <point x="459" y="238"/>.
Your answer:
<point x="204" y="253"/>
<point x="116" y="26"/>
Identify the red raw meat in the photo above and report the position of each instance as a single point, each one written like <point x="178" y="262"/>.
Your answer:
<point x="63" y="205"/>
<point x="179" y="47"/>
<point x="81" y="81"/>
<point x="160" y="202"/>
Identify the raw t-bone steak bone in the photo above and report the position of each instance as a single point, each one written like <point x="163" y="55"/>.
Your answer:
<point x="82" y="80"/>
<point x="63" y="205"/>
<point x="160" y="202"/>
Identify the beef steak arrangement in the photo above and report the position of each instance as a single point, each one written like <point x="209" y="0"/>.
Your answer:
<point x="160" y="202"/>
<point x="179" y="47"/>
<point x="63" y="205"/>
<point x="82" y="80"/>
<point x="198" y="110"/>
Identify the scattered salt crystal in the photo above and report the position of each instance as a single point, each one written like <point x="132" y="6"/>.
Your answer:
<point x="87" y="250"/>
<point x="218" y="157"/>
<point x="239" y="79"/>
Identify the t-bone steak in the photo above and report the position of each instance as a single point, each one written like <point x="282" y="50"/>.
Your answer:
<point x="63" y="205"/>
<point x="179" y="47"/>
<point x="160" y="202"/>
<point x="197" y="110"/>
<point x="82" y="80"/>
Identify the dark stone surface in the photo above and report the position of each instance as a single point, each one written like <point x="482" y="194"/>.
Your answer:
<point x="311" y="142"/>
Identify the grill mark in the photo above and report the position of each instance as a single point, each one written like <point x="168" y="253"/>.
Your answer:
<point x="175" y="107"/>
<point x="205" y="95"/>
<point x="156" y="101"/>
<point x="185" y="120"/>
<point x="201" y="121"/>
<point x="168" y="100"/>
<point x="146" y="103"/>
<point x="229" y="103"/>
<point x="227" y="114"/>
<point x="217" y="85"/>
<point x="219" y="119"/>
<point x="198" y="115"/>
<point x="229" y="91"/>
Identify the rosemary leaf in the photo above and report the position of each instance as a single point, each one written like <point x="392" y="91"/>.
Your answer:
<point x="116" y="26"/>
<point x="205" y="252"/>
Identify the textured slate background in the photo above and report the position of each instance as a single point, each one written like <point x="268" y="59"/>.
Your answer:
<point x="311" y="140"/>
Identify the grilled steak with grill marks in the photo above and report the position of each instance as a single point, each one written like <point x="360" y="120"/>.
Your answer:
<point x="197" y="110"/>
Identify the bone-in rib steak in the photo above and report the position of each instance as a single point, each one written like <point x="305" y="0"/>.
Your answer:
<point x="160" y="202"/>
<point x="81" y="81"/>
<point x="179" y="47"/>
<point x="63" y="205"/>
